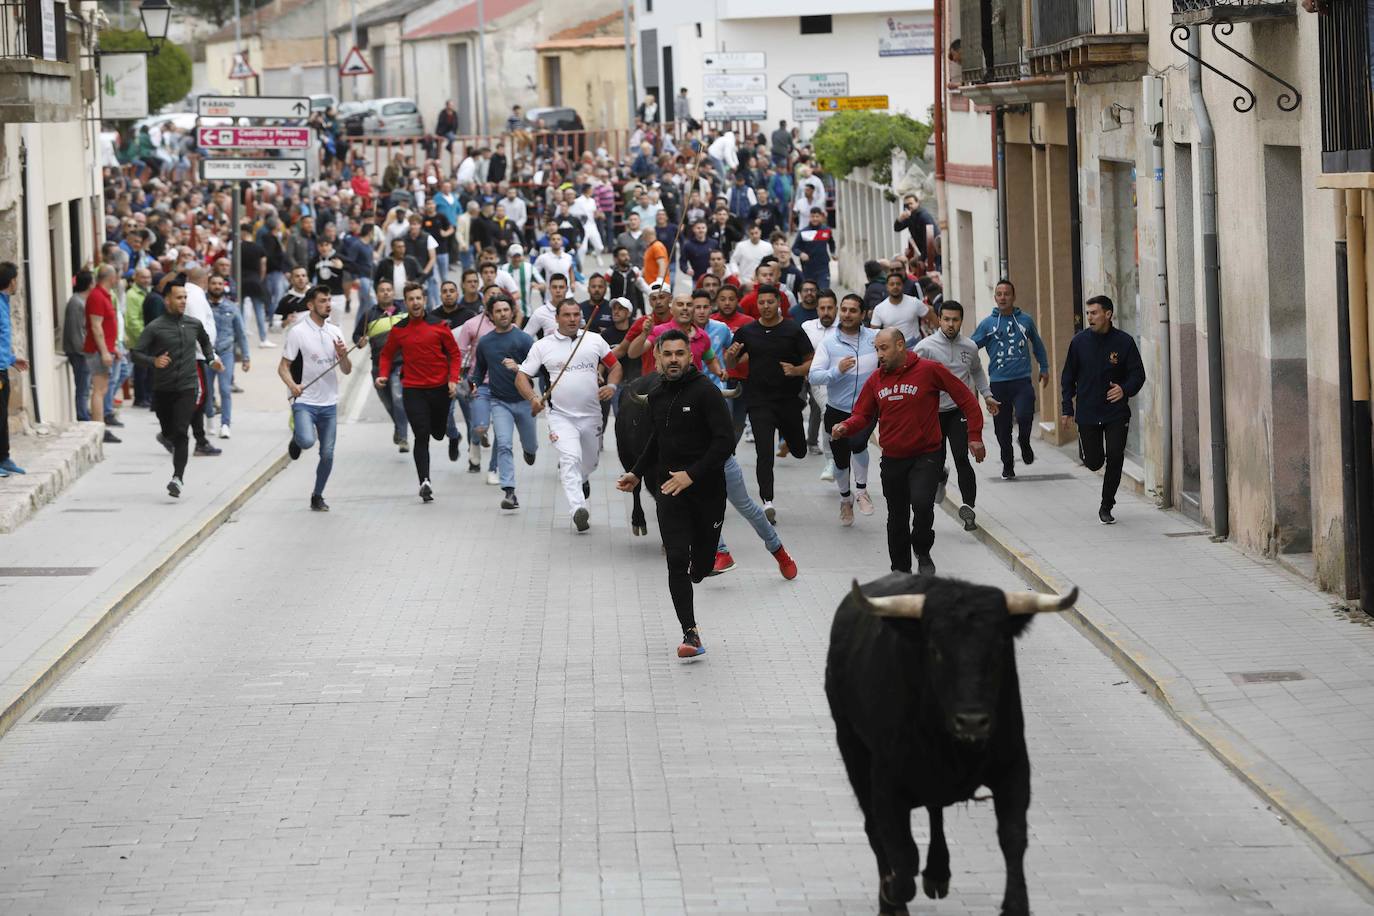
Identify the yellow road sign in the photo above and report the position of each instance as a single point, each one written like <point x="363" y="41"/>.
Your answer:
<point x="851" y="103"/>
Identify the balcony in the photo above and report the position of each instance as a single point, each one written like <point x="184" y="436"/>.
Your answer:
<point x="1347" y="112"/>
<point x="1075" y="35"/>
<point x="1197" y="12"/>
<point x="36" y="76"/>
<point x="993" y="39"/>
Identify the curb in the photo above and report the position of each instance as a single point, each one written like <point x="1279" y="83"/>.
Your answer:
<point x="1345" y="847"/>
<point x="46" y="481"/>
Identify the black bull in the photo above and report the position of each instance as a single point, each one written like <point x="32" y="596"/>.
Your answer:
<point x="921" y="680"/>
<point x="632" y="435"/>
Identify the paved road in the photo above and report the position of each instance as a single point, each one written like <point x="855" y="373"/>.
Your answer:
<point x="400" y="708"/>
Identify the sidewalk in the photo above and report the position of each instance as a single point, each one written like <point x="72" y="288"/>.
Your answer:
<point x="88" y="557"/>
<point x="1267" y="671"/>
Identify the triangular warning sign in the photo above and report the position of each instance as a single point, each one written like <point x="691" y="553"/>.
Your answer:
<point x="240" y="69"/>
<point x="354" y="64"/>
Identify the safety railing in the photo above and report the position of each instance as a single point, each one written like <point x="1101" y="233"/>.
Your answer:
<point x="1190" y="12"/>
<point x="1347" y="112"/>
<point x="27" y="29"/>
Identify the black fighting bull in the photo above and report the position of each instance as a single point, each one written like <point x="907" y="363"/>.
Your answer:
<point x="921" y="679"/>
<point x="632" y="435"/>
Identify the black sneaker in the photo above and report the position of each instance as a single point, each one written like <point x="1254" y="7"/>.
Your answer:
<point x="165" y="443"/>
<point x="474" y="468"/>
<point x="206" y="450"/>
<point x="581" y="518"/>
<point x="968" y="515"/>
<point x="1008" y="473"/>
<point x="114" y="421"/>
<point x="174" y="487"/>
<point x="293" y="449"/>
<point x="111" y="438"/>
<point x="1104" y="515"/>
<point x="1027" y="456"/>
<point x="317" y="504"/>
<point x="403" y="446"/>
<point x="509" y="501"/>
<point x="925" y="566"/>
<point x="426" y="491"/>
<point x="529" y="457"/>
<point x="586" y="489"/>
<point x="453" y="448"/>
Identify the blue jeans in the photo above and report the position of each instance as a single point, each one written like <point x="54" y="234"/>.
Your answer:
<point x="393" y="403"/>
<point x="432" y="288"/>
<point x="465" y="406"/>
<point x="366" y="297"/>
<point x="466" y="257"/>
<point x="481" y="418"/>
<point x="1017" y="397"/>
<point x="738" y="494"/>
<point x="441" y="266"/>
<point x="81" y="382"/>
<point x="506" y="417"/>
<point x="276" y="288"/>
<point x="120" y="370"/>
<point x="312" y="423"/>
<point x="224" y="380"/>
<point x="260" y="313"/>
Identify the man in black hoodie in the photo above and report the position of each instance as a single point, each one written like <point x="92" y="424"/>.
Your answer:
<point x="691" y="437"/>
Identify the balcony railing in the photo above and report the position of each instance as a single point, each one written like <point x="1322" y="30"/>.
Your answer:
<point x="33" y="29"/>
<point x="1347" y="118"/>
<point x="1075" y="35"/>
<point x="1191" y="12"/>
<point x="1053" y="21"/>
<point x="993" y="40"/>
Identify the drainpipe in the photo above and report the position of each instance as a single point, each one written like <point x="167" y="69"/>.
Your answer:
<point x="1165" y="389"/>
<point x="1075" y="204"/>
<point x="938" y="118"/>
<point x="1000" y="127"/>
<point x="28" y="282"/>
<point x="1211" y="276"/>
<point x="1358" y="245"/>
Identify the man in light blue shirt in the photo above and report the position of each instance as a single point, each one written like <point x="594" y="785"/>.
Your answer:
<point x="9" y="281"/>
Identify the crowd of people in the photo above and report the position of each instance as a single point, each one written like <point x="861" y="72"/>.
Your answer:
<point x="542" y="283"/>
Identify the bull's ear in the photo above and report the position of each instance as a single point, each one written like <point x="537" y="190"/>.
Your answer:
<point x="1018" y="623"/>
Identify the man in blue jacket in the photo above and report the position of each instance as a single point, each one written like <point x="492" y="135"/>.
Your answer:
<point x="1009" y="335"/>
<point x="1102" y="372"/>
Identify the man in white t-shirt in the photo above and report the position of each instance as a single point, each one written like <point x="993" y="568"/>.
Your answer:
<point x="544" y="319"/>
<point x="314" y="350"/>
<point x="573" y="361"/>
<point x="900" y="311"/>
<point x="748" y="254"/>
<point x="554" y="260"/>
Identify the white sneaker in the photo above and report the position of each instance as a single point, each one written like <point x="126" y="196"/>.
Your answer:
<point x="769" y="512"/>
<point x="748" y="433"/>
<point x="846" y="513"/>
<point x="828" y="472"/>
<point x="864" y="502"/>
<point x="224" y="432"/>
<point x="267" y="344"/>
<point x="493" y="479"/>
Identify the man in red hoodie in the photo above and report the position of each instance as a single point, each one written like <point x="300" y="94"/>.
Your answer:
<point x="904" y="395"/>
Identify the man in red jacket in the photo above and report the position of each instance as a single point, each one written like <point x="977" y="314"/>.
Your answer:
<point x="904" y="395"/>
<point x="430" y="369"/>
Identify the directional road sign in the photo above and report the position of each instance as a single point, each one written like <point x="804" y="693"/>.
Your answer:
<point x="253" y="137"/>
<point x="732" y="107"/>
<point x="815" y="85"/>
<point x="852" y="103"/>
<point x="715" y="83"/>
<point x="254" y="106"/>
<point x="734" y="60"/>
<point x="251" y="169"/>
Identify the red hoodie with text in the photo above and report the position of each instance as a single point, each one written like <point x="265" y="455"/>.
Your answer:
<point x="907" y="402"/>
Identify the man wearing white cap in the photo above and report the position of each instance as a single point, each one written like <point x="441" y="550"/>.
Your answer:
<point x="520" y="272"/>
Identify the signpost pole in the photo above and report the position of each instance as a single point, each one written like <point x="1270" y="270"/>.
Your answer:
<point x="482" y="63"/>
<point x="629" y="64"/>
<point x="238" y="41"/>
<point x="236" y="246"/>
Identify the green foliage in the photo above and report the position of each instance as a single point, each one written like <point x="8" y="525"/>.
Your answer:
<point x="852" y="139"/>
<point x="169" y="72"/>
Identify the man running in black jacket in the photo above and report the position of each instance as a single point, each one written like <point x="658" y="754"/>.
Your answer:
<point x="691" y="436"/>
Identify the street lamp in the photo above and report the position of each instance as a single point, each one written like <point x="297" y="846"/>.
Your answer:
<point x="156" y="16"/>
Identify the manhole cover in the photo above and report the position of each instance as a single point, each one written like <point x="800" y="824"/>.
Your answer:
<point x="1267" y="677"/>
<point x="1021" y="477"/>
<point x="76" y="713"/>
<point x="13" y="572"/>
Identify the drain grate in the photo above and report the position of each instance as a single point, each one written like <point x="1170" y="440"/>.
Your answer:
<point x="90" y="510"/>
<point x="1024" y="477"/>
<point x="1267" y="677"/>
<point x="76" y="713"/>
<point x="44" y="572"/>
<point x="132" y="473"/>
<point x="1185" y="534"/>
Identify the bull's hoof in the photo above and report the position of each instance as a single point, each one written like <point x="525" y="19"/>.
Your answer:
<point x="639" y="531"/>
<point x="896" y="891"/>
<point x="1018" y="908"/>
<point x="935" y="888"/>
<point x="888" y="909"/>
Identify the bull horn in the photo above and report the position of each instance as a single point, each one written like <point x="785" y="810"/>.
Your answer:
<point x="639" y="398"/>
<point x="890" y="605"/>
<point x="731" y="393"/>
<point x="1033" y="603"/>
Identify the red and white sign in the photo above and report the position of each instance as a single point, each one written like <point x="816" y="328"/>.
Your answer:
<point x="354" y="64"/>
<point x="241" y="70"/>
<point x="253" y="137"/>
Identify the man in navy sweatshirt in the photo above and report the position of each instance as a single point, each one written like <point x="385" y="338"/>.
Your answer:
<point x="1102" y="372"/>
<point x="1010" y="336"/>
<point x="814" y="246"/>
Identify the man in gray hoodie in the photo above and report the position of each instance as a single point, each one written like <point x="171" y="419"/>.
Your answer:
<point x="960" y="356"/>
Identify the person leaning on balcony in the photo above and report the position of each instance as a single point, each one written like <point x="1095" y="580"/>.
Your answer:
<point x="9" y="282"/>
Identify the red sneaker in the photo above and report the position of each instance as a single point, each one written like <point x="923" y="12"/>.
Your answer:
<point x="786" y="565"/>
<point x="724" y="563"/>
<point x="691" y="645"/>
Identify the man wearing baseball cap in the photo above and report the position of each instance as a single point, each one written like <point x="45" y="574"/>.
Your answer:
<point x="520" y="272"/>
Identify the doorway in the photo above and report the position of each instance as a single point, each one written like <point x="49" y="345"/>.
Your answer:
<point x="665" y="104"/>
<point x="553" y="79"/>
<point x="460" y="67"/>
<point x="1121" y="267"/>
<point x="1185" y="299"/>
<point x="968" y="282"/>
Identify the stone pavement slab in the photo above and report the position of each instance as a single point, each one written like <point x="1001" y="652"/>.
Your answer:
<point x="406" y="708"/>
<point x="1276" y="677"/>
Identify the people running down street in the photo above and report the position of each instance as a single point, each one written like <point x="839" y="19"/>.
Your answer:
<point x="1011" y="337"/>
<point x="495" y="366"/>
<point x="314" y="352"/>
<point x="903" y="395"/>
<point x="372" y="329"/>
<point x="1102" y="372"/>
<point x="842" y="365"/>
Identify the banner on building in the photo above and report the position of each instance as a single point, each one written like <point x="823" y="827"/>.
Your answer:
<point x="124" y="86"/>
<point x="900" y="37"/>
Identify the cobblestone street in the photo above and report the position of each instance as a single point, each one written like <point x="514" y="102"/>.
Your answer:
<point x="399" y="707"/>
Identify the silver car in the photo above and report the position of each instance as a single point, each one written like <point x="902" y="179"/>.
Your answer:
<point x="394" y="117"/>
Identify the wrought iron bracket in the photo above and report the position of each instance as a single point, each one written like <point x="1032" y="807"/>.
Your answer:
<point x="1241" y="103"/>
<point x="1286" y="102"/>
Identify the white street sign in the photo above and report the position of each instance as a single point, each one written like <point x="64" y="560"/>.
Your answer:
<point x="805" y="110"/>
<point x="254" y="106"/>
<point x="731" y="107"/>
<point x="815" y="85"/>
<point x="253" y="137"/>
<point x="734" y="82"/>
<point x="734" y="60"/>
<point x="251" y="169"/>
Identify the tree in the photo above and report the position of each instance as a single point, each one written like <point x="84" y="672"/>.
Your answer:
<point x="219" y="12"/>
<point x="169" y="72"/>
<point x="849" y="140"/>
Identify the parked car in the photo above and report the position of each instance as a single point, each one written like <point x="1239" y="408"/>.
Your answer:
<point x="554" y="118"/>
<point x="394" y="117"/>
<point x="321" y="100"/>
<point x="352" y="114"/>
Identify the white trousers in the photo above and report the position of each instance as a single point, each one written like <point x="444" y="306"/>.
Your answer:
<point x="579" y="451"/>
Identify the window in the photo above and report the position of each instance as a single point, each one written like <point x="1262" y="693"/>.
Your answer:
<point x="648" y="6"/>
<point x="815" y="25"/>
<point x="698" y="29"/>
